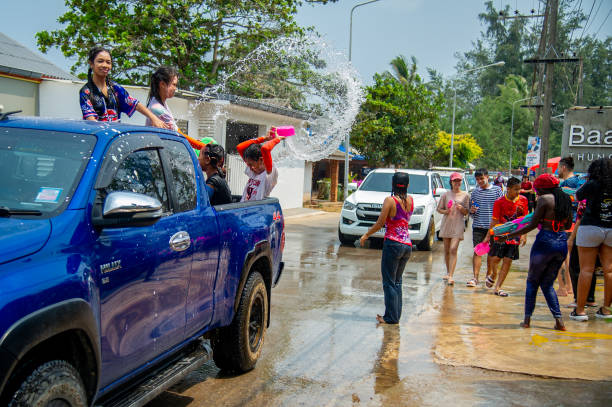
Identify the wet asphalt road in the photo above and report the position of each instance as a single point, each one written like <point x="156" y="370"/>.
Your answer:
<point x="324" y="348"/>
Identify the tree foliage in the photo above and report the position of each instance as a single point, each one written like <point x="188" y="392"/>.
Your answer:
<point x="200" y="38"/>
<point x="398" y="121"/>
<point x="482" y="107"/>
<point x="465" y="149"/>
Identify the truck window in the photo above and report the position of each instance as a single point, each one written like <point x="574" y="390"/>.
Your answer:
<point x="141" y="172"/>
<point x="183" y="174"/>
<point x="40" y="169"/>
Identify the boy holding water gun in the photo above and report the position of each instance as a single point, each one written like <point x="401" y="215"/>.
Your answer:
<point x="507" y="208"/>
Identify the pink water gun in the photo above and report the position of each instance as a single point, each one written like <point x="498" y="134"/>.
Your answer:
<point x="450" y="204"/>
<point x="283" y="131"/>
<point x="511" y="226"/>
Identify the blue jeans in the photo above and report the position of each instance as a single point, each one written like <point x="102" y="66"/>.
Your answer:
<point x="395" y="255"/>
<point x="547" y="255"/>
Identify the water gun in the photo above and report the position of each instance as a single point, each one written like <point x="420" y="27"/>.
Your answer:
<point x="283" y="131"/>
<point x="571" y="192"/>
<point x="508" y="227"/>
<point x="450" y="203"/>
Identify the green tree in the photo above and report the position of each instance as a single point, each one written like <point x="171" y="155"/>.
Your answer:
<point x="491" y="123"/>
<point x="465" y="149"/>
<point x="515" y="40"/>
<point x="398" y="122"/>
<point x="200" y="38"/>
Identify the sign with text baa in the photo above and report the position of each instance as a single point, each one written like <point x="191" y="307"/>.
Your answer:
<point x="587" y="135"/>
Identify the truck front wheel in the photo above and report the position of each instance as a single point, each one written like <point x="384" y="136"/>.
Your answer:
<point x="237" y="347"/>
<point x="53" y="384"/>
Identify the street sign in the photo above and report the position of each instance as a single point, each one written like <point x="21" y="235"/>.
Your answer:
<point x="587" y="135"/>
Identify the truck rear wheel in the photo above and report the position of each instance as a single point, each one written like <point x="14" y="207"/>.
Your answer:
<point x="237" y="347"/>
<point x="53" y="384"/>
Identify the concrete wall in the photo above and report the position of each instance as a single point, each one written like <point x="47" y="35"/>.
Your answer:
<point x="18" y="94"/>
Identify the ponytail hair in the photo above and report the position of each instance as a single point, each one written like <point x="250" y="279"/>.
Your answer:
<point x="91" y="57"/>
<point x="217" y="157"/>
<point x="162" y="74"/>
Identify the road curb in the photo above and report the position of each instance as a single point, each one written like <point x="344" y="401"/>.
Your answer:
<point x="303" y="215"/>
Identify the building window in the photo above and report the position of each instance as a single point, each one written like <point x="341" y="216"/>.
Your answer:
<point x="236" y="133"/>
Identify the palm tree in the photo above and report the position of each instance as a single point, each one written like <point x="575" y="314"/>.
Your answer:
<point x="404" y="71"/>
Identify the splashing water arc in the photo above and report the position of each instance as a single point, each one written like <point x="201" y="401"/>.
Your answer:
<point x="329" y="91"/>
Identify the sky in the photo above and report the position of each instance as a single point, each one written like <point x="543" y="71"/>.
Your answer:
<point x="433" y="31"/>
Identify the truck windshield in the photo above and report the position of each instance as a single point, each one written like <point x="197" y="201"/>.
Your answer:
<point x="40" y="170"/>
<point x="381" y="182"/>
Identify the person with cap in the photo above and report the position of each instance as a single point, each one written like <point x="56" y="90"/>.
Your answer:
<point x="397" y="248"/>
<point x="454" y="206"/>
<point x="553" y="216"/>
<point x="594" y="236"/>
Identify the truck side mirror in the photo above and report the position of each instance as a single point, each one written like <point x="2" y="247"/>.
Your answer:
<point x="127" y="209"/>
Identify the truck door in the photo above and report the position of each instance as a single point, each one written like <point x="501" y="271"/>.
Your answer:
<point x="437" y="187"/>
<point x="144" y="271"/>
<point x="199" y="220"/>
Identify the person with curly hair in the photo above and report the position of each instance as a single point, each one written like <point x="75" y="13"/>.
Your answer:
<point x="594" y="236"/>
<point x="552" y="216"/>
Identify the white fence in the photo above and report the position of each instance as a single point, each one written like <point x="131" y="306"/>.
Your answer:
<point x="236" y="178"/>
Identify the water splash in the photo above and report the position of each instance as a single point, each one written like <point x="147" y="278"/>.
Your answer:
<point x="317" y="82"/>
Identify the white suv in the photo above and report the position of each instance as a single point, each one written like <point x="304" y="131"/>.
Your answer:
<point x="361" y="209"/>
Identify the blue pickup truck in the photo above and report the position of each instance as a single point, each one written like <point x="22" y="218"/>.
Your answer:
<point x="117" y="276"/>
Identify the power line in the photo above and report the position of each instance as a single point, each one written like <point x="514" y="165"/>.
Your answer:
<point x="602" y="24"/>
<point x="587" y="21"/>
<point x="596" y="12"/>
<point x="574" y="12"/>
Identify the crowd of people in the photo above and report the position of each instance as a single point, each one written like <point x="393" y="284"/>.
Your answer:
<point x="574" y="229"/>
<point x="102" y="99"/>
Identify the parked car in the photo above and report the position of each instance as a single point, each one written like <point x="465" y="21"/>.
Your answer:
<point x="362" y="208"/>
<point x="114" y="266"/>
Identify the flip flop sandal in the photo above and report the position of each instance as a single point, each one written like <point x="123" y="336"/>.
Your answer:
<point x="450" y="281"/>
<point x="472" y="283"/>
<point x="600" y="314"/>
<point x="445" y="277"/>
<point x="577" y="317"/>
<point x="501" y="293"/>
<point x="489" y="282"/>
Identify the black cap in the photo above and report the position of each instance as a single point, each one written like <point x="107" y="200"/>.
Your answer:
<point x="401" y="180"/>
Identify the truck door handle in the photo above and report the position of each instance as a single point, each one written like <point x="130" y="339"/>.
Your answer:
<point x="180" y="241"/>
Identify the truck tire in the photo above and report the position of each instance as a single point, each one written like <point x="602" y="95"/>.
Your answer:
<point x="53" y="384"/>
<point x="237" y="347"/>
<point x="345" y="239"/>
<point x="427" y="243"/>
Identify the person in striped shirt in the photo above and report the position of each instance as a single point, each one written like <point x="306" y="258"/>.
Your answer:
<point x="481" y="209"/>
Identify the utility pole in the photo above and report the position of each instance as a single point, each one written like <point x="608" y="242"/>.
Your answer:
<point x="538" y="73"/>
<point x="548" y="90"/>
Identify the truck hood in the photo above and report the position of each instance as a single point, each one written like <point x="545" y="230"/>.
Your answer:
<point x="20" y="237"/>
<point x="378" y="197"/>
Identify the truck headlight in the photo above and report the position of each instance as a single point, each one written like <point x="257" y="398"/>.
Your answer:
<point x="349" y="206"/>
<point x="419" y="210"/>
